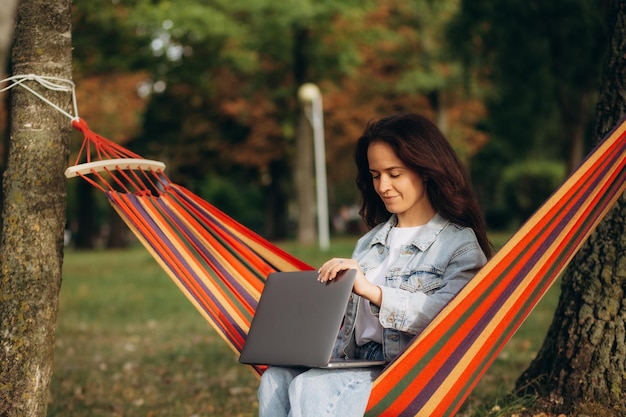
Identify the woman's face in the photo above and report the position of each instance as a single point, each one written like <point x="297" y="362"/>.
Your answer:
<point x="401" y="189"/>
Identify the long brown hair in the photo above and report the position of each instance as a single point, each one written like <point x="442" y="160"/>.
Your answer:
<point x="421" y="146"/>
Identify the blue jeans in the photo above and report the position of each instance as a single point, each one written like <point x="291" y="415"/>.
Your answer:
<point x="301" y="392"/>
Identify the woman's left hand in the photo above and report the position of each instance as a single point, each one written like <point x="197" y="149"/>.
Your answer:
<point x="332" y="268"/>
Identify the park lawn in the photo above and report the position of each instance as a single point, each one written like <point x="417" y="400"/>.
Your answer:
<point x="129" y="343"/>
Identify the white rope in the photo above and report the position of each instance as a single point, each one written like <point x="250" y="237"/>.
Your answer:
<point x="51" y="83"/>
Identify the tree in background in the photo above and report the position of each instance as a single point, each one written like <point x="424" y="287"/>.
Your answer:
<point x="33" y="213"/>
<point x="540" y="66"/>
<point x="580" y="369"/>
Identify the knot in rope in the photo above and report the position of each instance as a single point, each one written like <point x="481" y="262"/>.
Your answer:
<point x="50" y="83"/>
<point x="80" y="124"/>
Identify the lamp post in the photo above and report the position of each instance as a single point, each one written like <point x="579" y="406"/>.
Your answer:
<point x="309" y="94"/>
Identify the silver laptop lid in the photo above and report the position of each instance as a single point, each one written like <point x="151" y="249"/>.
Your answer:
<point x="297" y="319"/>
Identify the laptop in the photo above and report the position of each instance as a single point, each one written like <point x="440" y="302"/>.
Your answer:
<point x="297" y="321"/>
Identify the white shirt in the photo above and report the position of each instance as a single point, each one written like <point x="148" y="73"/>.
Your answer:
<point x="367" y="326"/>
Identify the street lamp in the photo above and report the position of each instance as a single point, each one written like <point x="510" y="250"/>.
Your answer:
<point x="309" y="94"/>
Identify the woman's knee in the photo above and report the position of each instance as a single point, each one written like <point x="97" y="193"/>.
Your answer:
<point x="276" y="378"/>
<point x="323" y="392"/>
<point x="273" y="391"/>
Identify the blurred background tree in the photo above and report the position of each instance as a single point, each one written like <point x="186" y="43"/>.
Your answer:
<point x="538" y="71"/>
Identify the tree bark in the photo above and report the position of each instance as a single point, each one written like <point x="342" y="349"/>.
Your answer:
<point x="581" y="367"/>
<point x="119" y="236"/>
<point x="33" y="214"/>
<point x="276" y="209"/>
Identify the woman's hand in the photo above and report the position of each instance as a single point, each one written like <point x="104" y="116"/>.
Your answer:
<point x="332" y="268"/>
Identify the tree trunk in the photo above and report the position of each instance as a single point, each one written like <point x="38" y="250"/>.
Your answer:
<point x="33" y="215"/>
<point x="276" y="215"/>
<point x="577" y="119"/>
<point x="581" y="368"/>
<point x="86" y="227"/>
<point x="119" y="237"/>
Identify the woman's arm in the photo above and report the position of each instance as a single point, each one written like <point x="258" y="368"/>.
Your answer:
<point x="411" y="310"/>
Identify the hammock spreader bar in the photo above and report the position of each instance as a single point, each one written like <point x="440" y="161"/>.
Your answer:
<point x="221" y="266"/>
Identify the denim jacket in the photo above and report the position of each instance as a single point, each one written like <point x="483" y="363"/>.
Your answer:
<point x="427" y="274"/>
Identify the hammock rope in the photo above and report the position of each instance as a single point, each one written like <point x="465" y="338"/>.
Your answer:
<point x="221" y="266"/>
<point x="49" y="83"/>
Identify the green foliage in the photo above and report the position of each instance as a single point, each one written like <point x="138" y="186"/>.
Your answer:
<point x="524" y="186"/>
<point x="104" y="40"/>
<point x="240" y="200"/>
<point x="541" y="57"/>
<point x="428" y="65"/>
<point x="183" y="30"/>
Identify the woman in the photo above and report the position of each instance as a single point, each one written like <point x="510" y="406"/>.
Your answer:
<point x="427" y="240"/>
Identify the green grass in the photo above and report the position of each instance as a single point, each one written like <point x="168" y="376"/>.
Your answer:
<point x="130" y="344"/>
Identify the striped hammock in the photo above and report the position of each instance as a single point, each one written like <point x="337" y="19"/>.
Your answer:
<point x="221" y="266"/>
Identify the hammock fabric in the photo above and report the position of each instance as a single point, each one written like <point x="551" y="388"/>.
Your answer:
<point x="221" y="266"/>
